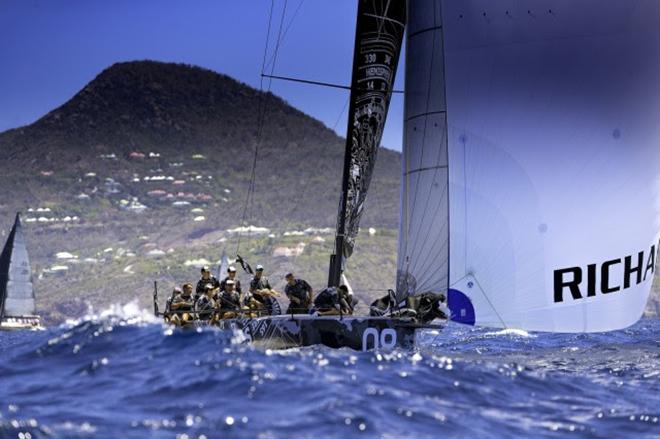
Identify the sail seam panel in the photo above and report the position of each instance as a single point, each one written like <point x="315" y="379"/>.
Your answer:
<point x="442" y="202"/>
<point x="428" y="253"/>
<point x="445" y="262"/>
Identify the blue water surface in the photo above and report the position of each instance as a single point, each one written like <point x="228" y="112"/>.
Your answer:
<point x="129" y="376"/>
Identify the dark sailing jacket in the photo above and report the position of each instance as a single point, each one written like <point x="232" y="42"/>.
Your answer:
<point x="185" y="302"/>
<point x="300" y="290"/>
<point x="202" y="284"/>
<point x="229" y="301"/>
<point x="237" y="285"/>
<point x="259" y="284"/>
<point x="327" y="299"/>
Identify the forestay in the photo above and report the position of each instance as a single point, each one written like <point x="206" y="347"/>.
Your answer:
<point x="554" y="182"/>
<point x="16" y="293"/>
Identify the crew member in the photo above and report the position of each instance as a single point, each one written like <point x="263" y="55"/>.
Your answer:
<point x="168" y="304"/>
<point x="207" y="278"/>
<point x="231" y="275"/>
<point x="260" y="286"/>
<point x="333" y="301"/>
<point x="206" y="304"/>
<point x="230" y="300"/>
<point x="175" y="292"/>
<point x="182" y="305"/>
<point x="299" y="293"/>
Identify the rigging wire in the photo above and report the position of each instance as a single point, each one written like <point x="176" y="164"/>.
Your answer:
<point x="322" y="83"/>
<point x="306" y="185"/>
<point x="261" y="114"/>
<point x="334" y="127"/>
<point x="288" y="26"/>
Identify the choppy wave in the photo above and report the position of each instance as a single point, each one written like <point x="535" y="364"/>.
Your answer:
<point x="121" y="373"/>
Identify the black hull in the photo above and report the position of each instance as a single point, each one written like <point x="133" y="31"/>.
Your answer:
<point x="359" y="333"/>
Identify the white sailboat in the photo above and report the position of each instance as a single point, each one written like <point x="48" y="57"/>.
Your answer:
<point x="17" y="307"/>
<point x="531" y="166"/>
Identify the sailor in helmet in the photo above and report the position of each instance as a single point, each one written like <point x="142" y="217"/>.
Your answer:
<point x="207" y="303"/>
<point x="182" y="304"/>
<point x="231" y="275"/>
<point x="207" y="278"/>
<point x="168" y="305"/>
<point x="260" y="286"/>
<point x="230" y="300"/>
<point x="259" y="281"/>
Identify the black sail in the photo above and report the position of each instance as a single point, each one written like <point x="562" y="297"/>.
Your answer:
<point x="378" y="39"/>
<point x="16" y="293"/>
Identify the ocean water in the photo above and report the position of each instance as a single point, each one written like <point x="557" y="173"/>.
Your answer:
<point x="123" y="374"/>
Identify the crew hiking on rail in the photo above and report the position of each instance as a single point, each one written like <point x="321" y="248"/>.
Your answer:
<point x="214" y="300"/>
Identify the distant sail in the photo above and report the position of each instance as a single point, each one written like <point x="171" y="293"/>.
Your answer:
<point x="554" y="163"/>
<point x="379" y="34"/>
<point x="224" y="265"/>
<point x="16" y="293"/>
<point x="423" y="256"/>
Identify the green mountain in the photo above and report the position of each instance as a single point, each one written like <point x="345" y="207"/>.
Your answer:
<point x="152" y="157"/>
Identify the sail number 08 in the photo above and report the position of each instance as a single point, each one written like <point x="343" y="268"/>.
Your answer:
<point x="385" y="339"/>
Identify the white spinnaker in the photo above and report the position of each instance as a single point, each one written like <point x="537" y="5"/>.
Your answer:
<point x="553" y="111"/>
<point x="423" y="254"/>
<point x="20" y="295"/>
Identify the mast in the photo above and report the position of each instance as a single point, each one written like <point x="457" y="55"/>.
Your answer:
<point x="379" y="34"/>
<point x="336" y="259"/>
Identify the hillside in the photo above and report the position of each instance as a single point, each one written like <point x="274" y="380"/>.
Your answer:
<point x="189" y="123"/>
<point x="153" y="160"/>
<point x="142" y="175"/>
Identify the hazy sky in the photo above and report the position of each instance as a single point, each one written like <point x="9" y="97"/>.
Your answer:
<point x="49" y="49"/>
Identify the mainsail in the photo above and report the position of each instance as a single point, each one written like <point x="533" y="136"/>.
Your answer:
<point x="16" y="293"/>
<point x="378" y="38"/>
<point x="423" y="257"/>
<point x="549" y="130"/>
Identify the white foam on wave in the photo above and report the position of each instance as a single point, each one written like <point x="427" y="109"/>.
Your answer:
<point x="130" y="313"/>
<point x="510" y="331"/>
